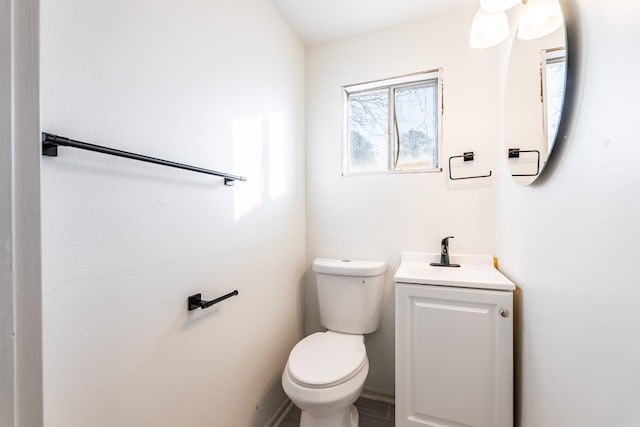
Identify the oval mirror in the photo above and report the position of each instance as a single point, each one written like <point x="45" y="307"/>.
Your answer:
<point x="534" y="96"/>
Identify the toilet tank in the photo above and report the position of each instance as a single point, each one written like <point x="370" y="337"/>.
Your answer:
<point x="350" y="294"/>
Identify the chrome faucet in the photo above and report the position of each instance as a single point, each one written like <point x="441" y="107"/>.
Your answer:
<point x="444" y="254"/>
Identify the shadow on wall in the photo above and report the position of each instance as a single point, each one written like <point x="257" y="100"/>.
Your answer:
<point x="271" y="405"/>
<point x="517" y="353"/>
<point x="274" y="400"/>
<point x="311" y="311"/>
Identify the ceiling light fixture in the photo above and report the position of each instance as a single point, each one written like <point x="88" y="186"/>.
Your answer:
<point x="490" y="25"/>
<point x="488" y="29"/>
<point x="539" y="18"/>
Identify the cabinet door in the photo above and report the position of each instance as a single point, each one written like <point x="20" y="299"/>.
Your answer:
<point x="454" y="357"/>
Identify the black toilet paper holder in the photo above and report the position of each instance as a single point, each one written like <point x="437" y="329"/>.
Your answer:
<point x="195" y="301"/>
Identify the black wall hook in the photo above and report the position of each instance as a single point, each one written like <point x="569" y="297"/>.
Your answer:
<point x="196" y="301"/>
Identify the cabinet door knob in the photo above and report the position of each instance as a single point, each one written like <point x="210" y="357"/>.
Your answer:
<point x="505" y="313"/>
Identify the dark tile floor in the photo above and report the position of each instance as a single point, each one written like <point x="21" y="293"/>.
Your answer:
<point x="372" y="414"/>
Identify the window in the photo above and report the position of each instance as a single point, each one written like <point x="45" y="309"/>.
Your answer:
<point x="393" y="125"/>
<point x="553" y="78"/>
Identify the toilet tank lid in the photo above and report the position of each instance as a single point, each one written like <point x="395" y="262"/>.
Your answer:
<point x="349" y="267"/>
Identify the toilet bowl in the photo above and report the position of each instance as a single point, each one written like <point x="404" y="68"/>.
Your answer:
<point x="324" y="376"/>
<point x="326" y="371"/>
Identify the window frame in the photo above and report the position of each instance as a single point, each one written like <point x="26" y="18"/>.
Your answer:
<point x="391" y="84"/>
<point x="548" y="57"/>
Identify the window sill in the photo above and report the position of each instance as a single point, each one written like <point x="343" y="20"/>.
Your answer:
<point x="400" y="172"/>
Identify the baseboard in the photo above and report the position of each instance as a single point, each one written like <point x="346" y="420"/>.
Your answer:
<point x="280" y="414"/>
<point x="378" y="395"/>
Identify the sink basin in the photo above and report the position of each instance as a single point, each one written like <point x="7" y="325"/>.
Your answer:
<point x="475" y="271"/>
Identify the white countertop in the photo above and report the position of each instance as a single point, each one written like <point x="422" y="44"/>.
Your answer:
<point x="475" y="271"/>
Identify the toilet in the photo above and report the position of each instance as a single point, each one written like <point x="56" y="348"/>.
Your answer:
<point x="325" y="372"/>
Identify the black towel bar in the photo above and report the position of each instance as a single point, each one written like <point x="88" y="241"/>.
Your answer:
<point x="467" y="157"/>
<point x="50" y="143"/>
<point x="514" y="153"/>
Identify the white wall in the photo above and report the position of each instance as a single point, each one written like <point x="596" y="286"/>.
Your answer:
<point x="571" y="241"/>
<point x="20" y="278"/>
<point x="379" y="216"/>
<point x="218" y="84"/>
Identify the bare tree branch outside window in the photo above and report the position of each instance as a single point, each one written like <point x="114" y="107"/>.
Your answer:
<point x="410" y="143"/>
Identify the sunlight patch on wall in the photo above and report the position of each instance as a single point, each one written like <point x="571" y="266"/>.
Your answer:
<point x="276" y="155"/>
<point x="248" y="144"/>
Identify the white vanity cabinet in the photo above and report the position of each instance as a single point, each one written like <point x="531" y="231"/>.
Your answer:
<point x="454" y="344"/>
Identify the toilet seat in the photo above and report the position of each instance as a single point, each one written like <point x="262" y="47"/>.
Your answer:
<point x="327" y="359"/>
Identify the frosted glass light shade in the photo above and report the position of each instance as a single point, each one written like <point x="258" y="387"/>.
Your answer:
<point x="539" y="18"/>
<point x="497" y="5"/>
<point x="488" y="29"/>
